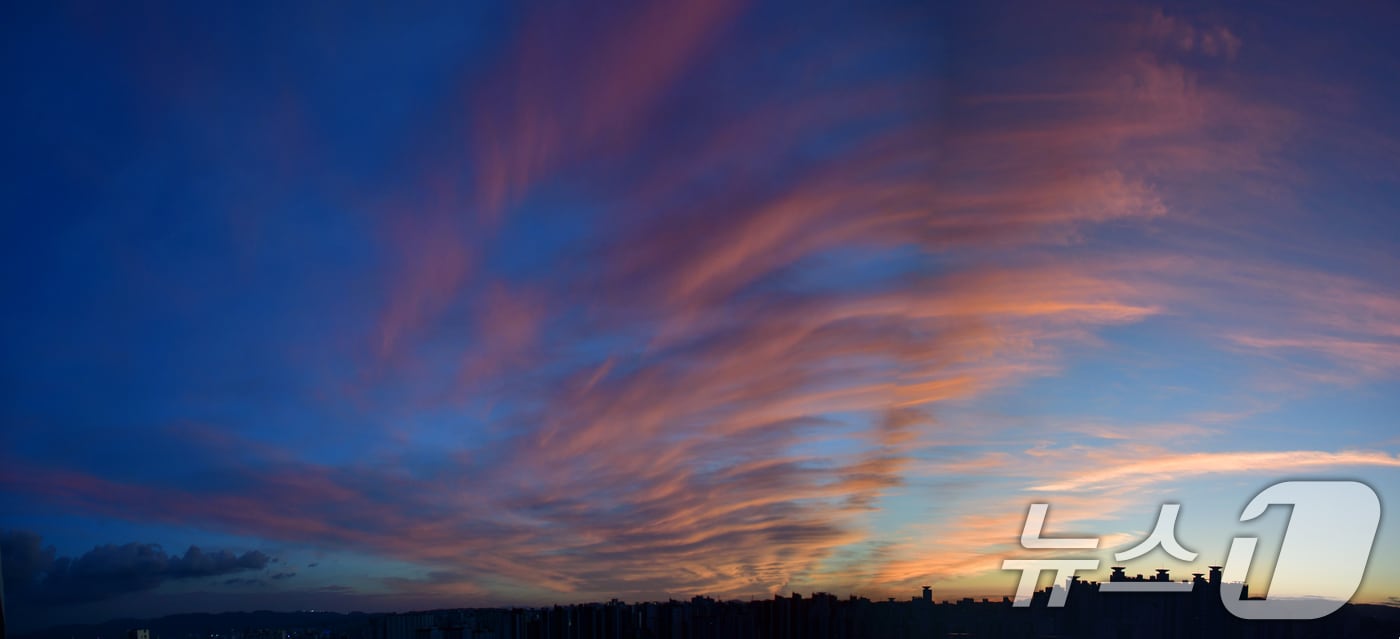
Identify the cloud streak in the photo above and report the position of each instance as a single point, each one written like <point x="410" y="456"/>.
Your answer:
<point x="640" y="318"/>
<point x="1148" y="470"/>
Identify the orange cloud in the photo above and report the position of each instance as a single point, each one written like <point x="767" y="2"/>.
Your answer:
<point x="695" y="404"/>
<point x="1145" y="470"/>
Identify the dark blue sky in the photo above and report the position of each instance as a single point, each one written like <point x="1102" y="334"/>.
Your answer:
<point x="392" y="307"/>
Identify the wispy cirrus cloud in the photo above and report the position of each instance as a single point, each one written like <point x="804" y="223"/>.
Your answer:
<point x="651" y="320"/>
<point x="1146" y="469"/>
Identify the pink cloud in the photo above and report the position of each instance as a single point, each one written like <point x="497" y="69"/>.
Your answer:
<point x="1144" y="470"/>
<point x="665" y="397"/>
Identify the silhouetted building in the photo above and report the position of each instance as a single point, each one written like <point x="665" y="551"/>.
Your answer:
<point x="1089" y="613"/>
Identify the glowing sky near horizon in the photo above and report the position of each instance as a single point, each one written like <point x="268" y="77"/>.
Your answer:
<point x="388" y="308"/>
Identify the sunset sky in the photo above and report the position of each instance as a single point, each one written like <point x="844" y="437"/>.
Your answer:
<point x="389" y="308"/>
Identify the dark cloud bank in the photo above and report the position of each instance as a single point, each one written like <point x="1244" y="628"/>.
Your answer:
<point x="36" y="576"/>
